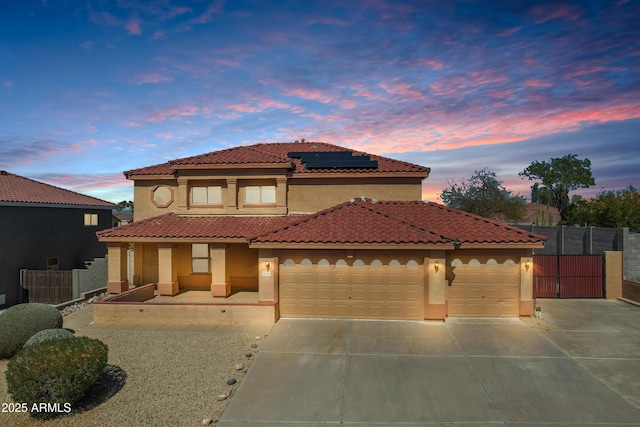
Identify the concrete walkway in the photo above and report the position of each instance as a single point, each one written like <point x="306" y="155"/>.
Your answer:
<point x="83" y="320"/>
<point x="583" y="369"/>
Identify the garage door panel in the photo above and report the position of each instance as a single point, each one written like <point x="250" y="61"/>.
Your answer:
<point x="481" y="289"/>
<point x="346" y="291"/>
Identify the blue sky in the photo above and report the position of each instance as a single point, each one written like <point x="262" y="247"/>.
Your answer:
<point x="89" y="89"/>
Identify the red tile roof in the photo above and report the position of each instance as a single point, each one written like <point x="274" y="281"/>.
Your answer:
<point x="18" y="189"/>
<point x="368" y="221"/>
<point x="274" y="153"/>
<point x="173" y="226"/>
<point x="359" y="222"/>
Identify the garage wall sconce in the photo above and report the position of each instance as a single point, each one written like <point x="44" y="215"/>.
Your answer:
<point x="267" y="265"/>
<point x="436" y="266"/>
<point x="527" y="265"/>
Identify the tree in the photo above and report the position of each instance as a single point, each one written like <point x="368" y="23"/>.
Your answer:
<point x="124" y="206"/>
<point x="484" y="195"/>
<point x="613" y="209"/>
<point x="560" y="176"/>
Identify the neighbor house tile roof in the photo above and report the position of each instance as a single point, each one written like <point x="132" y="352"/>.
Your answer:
<point x="358" y="222"/>
<point x="20" y="190"/>
<point x="276" y="153"/>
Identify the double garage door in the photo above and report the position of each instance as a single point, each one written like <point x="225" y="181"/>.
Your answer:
<point x="356" y="288"/>
<point x="393" y="288"/>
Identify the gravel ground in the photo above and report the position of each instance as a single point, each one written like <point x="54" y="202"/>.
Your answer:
<point x="155" y="378"/>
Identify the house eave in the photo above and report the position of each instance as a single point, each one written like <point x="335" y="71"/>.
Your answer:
<point x="501" y="246"/>
<point x="421" y="175"/>
<point x="54" y="205"/>
<point x="371" y="246"/>
<point x="172" y="239"/>
<point x="283" y="165"/>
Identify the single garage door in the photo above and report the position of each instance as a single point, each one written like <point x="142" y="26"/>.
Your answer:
<point x="484" y="287"/>
<point x="356" y="288"/>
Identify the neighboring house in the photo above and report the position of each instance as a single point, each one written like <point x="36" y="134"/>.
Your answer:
<point x="317" y="230"/>
<point x="122" y="218"/>
<point x="45" y="227"/>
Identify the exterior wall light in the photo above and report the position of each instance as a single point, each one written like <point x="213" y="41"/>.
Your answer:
<point x="267" y="265"/>
<point x="436" y="266"/>
<point x="527" y="265"/>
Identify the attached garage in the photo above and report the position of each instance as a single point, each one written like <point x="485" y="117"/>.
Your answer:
<point x="361" y="287"/>
<point x="481" y="285"/>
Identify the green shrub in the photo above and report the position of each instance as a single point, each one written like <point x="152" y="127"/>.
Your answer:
<point x="21" y="322"/>
<point x="57" y="371"/>
<point x="48" y="335"/>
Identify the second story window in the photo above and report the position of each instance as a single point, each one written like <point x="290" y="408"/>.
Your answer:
<point x="209" y="195"/>
<point x="260" y="194"/>
<point x="90" y="219"/>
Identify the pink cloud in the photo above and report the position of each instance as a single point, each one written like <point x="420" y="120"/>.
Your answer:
<point x="227" y="62"/>
<point x="152" y="78"/>
<point x="173" y="113"/>
<point x="544" y="13"/>
<point x="215" y="8"/>
<point x="8" y="83"/>
<point x="431" y="63"/>
<point x="133" y="26"/>
<point x="510" y="32"/>
<point x="310" y="94"/>
<point x="537" y="83"/>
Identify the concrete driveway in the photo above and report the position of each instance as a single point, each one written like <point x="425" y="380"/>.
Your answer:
<point x="583" y="369"/>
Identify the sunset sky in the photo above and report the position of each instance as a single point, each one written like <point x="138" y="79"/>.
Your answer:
<point x="89" y="89"/>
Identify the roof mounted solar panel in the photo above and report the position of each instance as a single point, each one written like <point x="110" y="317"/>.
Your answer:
<point x="333" y="160"/>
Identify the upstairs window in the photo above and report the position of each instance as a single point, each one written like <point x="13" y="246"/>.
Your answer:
<point x="200" y="260"/>
<point x="209" y="195"/>
<point x="90" y="219"/>
<point x="260" y="194"/>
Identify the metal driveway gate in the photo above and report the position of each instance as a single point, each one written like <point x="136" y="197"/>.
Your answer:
<point x="568" y="276"/>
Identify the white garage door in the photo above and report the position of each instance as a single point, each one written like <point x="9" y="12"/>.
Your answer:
<point x="364" y="288"/>
<point x="484" y="287"/>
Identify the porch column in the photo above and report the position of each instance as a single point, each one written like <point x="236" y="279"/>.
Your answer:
<point x="435" y="303"/>
<point x="117" y="268"/>
<point x="526" y="285"/>
<point x="220" y="285"/>
<point x="167" y="271"/>
<point x="267" y="276"/>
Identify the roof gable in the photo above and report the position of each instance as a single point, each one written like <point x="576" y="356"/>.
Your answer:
<point x="351" y="223"/>
<point x="395" y="222"/>
<point x="17" y="189"/>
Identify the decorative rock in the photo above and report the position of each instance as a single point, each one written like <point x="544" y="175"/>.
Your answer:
<point x="221" y="397"/>
<point x="206" y="421"/>
<point x="248" y="354"/>
<point x="239" y="367"/>
<point x="254" y="345"/>
<point x="258" y="337"/>
<point x="231" y="381"/>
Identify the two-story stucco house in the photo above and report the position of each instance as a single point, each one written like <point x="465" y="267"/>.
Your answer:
<point x="309" y="229"/>
<point x="45" y="227"/>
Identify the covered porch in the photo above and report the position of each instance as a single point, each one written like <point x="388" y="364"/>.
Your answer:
<point x="191" y="282"/>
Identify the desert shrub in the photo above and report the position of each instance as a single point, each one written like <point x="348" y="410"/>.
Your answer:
<point x="57" y="371"/>
<point x="21" y="322"/>
<point x="48" y="335"/>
